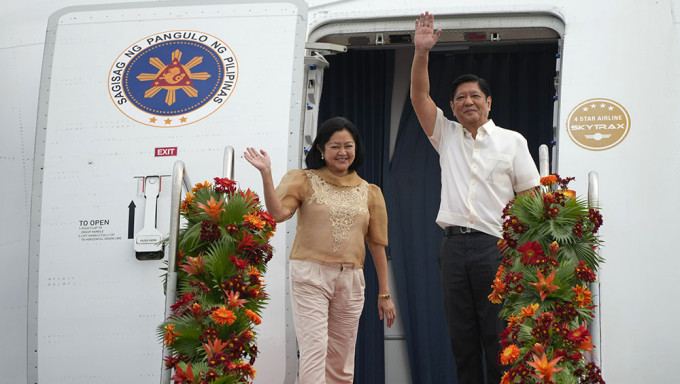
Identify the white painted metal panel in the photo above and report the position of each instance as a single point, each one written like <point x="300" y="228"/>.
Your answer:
<point x="17" y="108"/>
<point x="96" y="306"/>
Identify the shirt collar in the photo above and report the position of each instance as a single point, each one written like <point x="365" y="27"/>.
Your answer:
<point x="489" y="127"/>
<point x="486" y="129"/>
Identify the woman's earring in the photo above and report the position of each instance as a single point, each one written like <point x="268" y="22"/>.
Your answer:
<point x="322" y="157"/>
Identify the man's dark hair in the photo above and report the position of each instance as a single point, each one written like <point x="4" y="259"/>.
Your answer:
<point x="467" y="78"/>
<point x="327" y="129"/>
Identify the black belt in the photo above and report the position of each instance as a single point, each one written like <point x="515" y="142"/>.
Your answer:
<point x="454" y="230"/>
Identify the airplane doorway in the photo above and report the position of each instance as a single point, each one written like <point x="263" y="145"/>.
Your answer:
<point x="369" y="85"/>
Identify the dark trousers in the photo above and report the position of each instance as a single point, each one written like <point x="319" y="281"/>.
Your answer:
<point x="468" y="264"/>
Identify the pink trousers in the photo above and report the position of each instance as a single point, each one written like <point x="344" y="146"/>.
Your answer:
<point x="327" y="300"/>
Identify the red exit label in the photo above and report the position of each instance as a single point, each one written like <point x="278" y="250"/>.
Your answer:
<point x="166" y="151"/>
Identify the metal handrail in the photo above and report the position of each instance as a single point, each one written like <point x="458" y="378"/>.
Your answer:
<point x="594" y="201"/>
<point x="543" y="161"/>
<point x="180" y="179"/>
<point x="228" y="163"/>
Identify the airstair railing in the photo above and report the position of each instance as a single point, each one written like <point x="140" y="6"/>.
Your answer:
<point x="543" y="161"/>
<point x="594" y="201"/>
<point x="228" y="163"/>
<point x="180" y="179"/>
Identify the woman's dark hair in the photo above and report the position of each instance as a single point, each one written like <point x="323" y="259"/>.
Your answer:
<point x="469" y="78"/>
<point x="324" y="133"/>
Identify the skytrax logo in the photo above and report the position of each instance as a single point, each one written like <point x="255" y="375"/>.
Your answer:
<point x="173" y="78"/>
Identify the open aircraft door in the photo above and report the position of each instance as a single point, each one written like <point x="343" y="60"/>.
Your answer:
<point x="126" y="91"/>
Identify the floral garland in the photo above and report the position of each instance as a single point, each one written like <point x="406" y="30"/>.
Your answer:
<point x="549" y="260"/>
<point x="222" y="253"/>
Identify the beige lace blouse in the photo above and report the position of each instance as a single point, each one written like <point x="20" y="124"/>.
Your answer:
<point x="335" y="215"/>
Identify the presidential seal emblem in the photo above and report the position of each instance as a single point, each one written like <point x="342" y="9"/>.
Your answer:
<point x="173" y="78"/>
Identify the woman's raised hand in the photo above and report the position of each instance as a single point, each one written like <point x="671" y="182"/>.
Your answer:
<point x="259" y="160"/>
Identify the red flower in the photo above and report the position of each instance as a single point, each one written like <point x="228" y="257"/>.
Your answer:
<point x="197" y="310"/>
<point x="238" y="263"/>
<point x="268" y="218"/>
<point x="246" y="243"/>
<point x="579" y="335"/>
<point x="596" y="218"/>
<point x="232" y="229"/>
<point x="183" y="377"/>
<point x="224" y="185"/>
<point x="584" y="273"/>
<point x="531" y="252"/>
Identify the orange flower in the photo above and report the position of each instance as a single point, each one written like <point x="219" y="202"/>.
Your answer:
<point x="538" y="349"/>
<point x="248" y="370"/>
<point x="253" y="317"/>
<point x="223" y="316"/>
<point x="198" y="186"/>
<point x="513" y="320"/>
<point x="194" y="265"/>
<point x="187" y="202"/>
<point x="170" y="334"/>
<point x="529" y="310"/>
<point x="500" y="271"/>
<point x="510" y="354"/>
<point x="248" y="335"/>
<point x="251" y="196"/>
<point x="254" y="220"/>
<point x="569" y="193"/>
<point x="544" y="368"/>
<point x="253" y="272"/>
<point x="502" y="245"/>
<point x="495" y="297"/>
<point x="212" y="347"/>
<point x="545" y="286"/>
<point x="213" y="209"/>
<point x="499" y="288"/>
<point x="234" y="301"/>
<point x="197" y="310"/>
<point x="506" y="378"/>
<point x="549" y="180"/>
<point x="586" y="345"/>
<point x="583" y="296"/>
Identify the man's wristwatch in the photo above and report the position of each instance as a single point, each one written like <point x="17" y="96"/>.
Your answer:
<point x="384" y="296"/>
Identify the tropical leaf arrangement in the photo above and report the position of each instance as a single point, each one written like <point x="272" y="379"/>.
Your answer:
<point x="549" y="249"/>
<point x="223" y="251"/>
